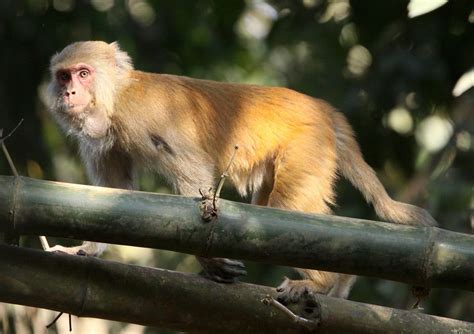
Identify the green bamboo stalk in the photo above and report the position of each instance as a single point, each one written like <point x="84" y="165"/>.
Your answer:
<point x="90" y="287"/>
<point x="423" y="256"/>
<point x="43" y="240"/>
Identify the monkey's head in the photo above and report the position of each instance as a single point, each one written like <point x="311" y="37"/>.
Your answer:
<point x="85" y="77"/>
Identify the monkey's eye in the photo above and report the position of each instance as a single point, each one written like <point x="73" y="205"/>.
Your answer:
<point x="63" y="76"/>
<point x="83" y="74"/>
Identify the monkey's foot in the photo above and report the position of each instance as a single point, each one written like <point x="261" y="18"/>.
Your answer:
<point x="293" y="291"/>
<point x="311" y="307"/>
<point x="222" y="270"/>
<point x="78" y="250"/>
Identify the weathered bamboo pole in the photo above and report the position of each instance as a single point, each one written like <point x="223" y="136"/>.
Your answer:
<point x="422" y="256"/>
<point x="90" y="287"/>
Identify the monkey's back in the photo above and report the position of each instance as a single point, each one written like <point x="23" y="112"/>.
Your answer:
<point x="220" y="115"/>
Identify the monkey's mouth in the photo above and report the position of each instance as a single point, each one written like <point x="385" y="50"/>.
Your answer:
<point x="73" y="107"/>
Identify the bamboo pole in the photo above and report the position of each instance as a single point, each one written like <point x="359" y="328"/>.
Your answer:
<point x="422" y="256"/>
<point x="43" y="240"/>
<point x="89" y="287"/>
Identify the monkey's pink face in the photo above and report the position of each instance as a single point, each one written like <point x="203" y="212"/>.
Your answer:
<point x="75" y="85"/>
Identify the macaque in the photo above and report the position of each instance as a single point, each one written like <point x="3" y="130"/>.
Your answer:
<point x="292" y="147"/>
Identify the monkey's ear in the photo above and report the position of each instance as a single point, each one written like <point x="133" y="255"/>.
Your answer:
<point x="122" y="58"/>
<point x="115" y="45"/>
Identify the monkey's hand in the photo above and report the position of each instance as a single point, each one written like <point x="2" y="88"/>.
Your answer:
<point x="86" y="249"/>
<point x="222" y="270"/>
<point x="293" y="291"/>
<point x="67" y="250"/>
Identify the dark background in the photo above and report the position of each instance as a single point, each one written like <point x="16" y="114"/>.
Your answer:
<point x="393" y="76"/>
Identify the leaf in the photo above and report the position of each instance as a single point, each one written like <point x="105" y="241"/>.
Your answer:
<point x="420" y="7"/>
<point x="464" y="83"/>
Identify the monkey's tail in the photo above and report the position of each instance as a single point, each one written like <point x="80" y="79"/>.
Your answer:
<point x="352" y="165"/>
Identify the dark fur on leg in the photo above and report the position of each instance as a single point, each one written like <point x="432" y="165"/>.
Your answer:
<point x="221" y="270"/>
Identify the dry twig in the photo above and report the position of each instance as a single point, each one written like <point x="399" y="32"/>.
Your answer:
<point x="57" y="318"/>
<point x="209" y="200"/>
<point x="310" y="324"/>
<point x="217" y="194"/>
<point x="4" y="148"/>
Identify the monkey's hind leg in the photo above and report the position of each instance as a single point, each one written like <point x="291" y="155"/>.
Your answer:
<point x="343" y="286"/>
<point x="304" y="181"/>
<point x="221" y="270"/>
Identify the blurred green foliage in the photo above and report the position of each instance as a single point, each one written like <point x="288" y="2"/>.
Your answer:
<point x="391" y="75"/>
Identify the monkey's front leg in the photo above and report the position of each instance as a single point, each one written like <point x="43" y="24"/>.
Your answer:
<point x="113" y="169"/>
<point x="220" y="270"/>
<point x="87" y="248"/>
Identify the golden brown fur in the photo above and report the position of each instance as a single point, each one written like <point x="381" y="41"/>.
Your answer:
<point x="292" y="146"/>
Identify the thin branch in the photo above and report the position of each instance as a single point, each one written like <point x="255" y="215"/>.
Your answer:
<point x="2" y="139"/>
<point x="310" y="324"/>
<point x="217" y="194"/>
<point x="9" y="158"/>
<point x="4" y="148"/>
<point x="209" y="199"/>
<point x="57" y="318"/>
<point x="54" y="320"/>
<point x="44" y="242"/>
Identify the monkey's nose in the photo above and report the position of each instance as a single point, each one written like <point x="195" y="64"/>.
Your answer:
<point x="70" y="92"/>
